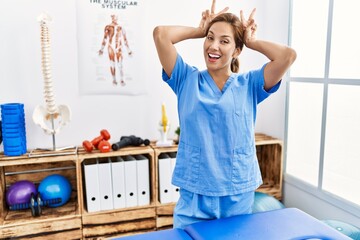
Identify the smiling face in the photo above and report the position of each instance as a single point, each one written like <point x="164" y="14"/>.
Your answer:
<point x="220" y="47"/>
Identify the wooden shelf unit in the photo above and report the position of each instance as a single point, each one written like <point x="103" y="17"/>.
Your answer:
<point x="269" y="151"/>
<point x="122" y="221"/>
<point x="73" y="221"/>
<point x="61" y="222"/>
<point x="164" y="212"/>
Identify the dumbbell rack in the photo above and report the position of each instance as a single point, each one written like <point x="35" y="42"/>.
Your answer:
<point x="72" y="221"/>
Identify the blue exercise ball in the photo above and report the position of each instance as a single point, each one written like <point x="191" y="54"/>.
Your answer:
<point x="345" y="228"/>
<point x="55" y="186"/>
<point x="264" y="202"/>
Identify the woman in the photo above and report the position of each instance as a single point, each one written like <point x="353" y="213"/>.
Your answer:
<point x="217" y="169"/>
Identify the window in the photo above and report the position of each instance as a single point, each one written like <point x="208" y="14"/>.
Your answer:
<point x="323" y="91"/>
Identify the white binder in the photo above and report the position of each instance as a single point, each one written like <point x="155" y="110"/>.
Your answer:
<point x="175" y="190"/>
<point x="131" y="197"/>
<point x="105" y="184"/>
<point x="118" y="182"/>
<point x="92" y="185"/>
<point x="143" y="180"/>
<point x="165" y="187"/>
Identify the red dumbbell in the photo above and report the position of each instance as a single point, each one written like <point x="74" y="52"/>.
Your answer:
<point x="104" y="146"/>
<point x="89" y="146"/>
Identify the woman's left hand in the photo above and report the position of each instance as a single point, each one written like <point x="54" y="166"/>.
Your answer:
<point x="208" y="15"/>
<point x="249" y="27"/>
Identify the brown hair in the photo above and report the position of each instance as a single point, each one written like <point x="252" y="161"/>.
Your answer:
<point x="235" y="23"/>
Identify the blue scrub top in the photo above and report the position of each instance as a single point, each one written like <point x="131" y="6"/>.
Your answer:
<point x="216" y="153"/>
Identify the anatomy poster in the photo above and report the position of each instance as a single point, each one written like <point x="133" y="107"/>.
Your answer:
<point x="109" y="47"/>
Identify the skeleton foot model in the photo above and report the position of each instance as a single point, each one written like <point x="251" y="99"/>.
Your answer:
<point x="55" y="116"/>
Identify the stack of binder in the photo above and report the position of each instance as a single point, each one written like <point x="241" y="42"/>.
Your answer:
<point x="167" y="192"/>
<point x="118" y="182"/>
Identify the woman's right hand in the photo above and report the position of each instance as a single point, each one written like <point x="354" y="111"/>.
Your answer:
<point x="207" y="16"/>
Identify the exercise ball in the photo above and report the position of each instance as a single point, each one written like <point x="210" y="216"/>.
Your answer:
<point x="20" y="192"/>
<point x="264" y="202"/>
<point x="345" y="228"/>
<point x="55" y="186"/>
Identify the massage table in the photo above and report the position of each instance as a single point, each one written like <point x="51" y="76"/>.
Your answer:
<point x="281" y="224"/>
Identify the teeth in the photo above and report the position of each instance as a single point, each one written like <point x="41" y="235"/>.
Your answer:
<point x="214" y="55"/>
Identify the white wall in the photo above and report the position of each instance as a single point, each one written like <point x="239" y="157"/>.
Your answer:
<point x="271" y="113"/>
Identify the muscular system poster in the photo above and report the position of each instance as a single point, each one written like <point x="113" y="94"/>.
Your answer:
<point x="109" y="47"/>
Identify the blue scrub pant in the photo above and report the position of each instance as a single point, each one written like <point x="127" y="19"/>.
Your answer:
<point x="192" y="207"/>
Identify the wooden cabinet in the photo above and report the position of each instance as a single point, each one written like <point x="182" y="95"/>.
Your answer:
<point x="62" y="222"/>
<point x="164" y="212"/>
<point x="270" y="156"/>
<point x="122" y="221"/>
<point x="73" y="221"/>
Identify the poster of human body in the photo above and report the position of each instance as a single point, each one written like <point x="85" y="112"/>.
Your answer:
<point x="109" y="47"/>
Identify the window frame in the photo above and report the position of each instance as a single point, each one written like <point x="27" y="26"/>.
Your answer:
<point x="317" y="191"/>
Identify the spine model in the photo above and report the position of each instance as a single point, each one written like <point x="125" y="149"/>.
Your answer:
<point x="46" y="66"/>
<point x="50" y="113"/>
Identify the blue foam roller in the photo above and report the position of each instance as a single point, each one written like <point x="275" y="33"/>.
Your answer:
<point x="12" y="107"/>
<point x="12" y="141"/>
<point x="13" y="129"/>
<point x="12" y="135"/>
<point x="0" y="132"/>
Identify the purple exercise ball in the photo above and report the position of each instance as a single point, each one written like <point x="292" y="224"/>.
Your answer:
<point x="20" y="192"/>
